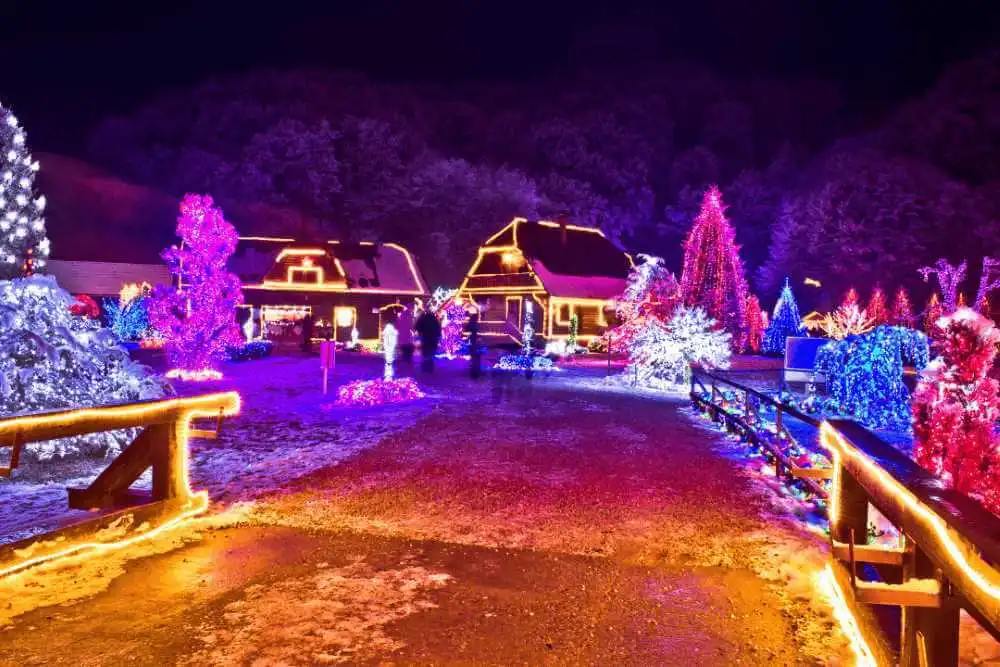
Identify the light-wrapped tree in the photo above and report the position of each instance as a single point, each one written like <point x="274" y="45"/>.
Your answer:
<point x="51" y="359"/>
<point x="932" y="313"/>
<point x="878" y="308"/>
<point x="956" y="406"/>
<point x="24" y="248"/>
<point x="198" y="320"/>
<point x="902" y="310"/>
<point x="713" y="277"/>
<point x="785" y="322"/>
<point x="661" y="354"/>
<point x="755" y="326"/>
<point x="651" y="293"/>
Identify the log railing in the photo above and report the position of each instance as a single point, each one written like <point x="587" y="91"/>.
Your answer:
<point x="739" y="408"/>
<point x="161" y="444"/>
<point x="948" y="555"/>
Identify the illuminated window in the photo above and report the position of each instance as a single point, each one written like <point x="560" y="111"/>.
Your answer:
<point x="344" y="316"/>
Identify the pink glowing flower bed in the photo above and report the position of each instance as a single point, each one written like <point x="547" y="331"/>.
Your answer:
<point x="366" y="393"/>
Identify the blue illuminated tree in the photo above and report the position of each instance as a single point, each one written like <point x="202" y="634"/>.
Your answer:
<point x="785" y="322"/>
<point x="864" y="375"/>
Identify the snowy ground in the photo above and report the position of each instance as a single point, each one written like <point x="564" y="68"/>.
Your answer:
<point x="498" y="522"/>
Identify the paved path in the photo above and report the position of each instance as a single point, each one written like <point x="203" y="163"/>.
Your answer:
<point x="515" y="524"/>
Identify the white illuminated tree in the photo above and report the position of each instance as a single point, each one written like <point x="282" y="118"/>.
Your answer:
<point x="24" y="248"/>
<point x="661" y="355"/>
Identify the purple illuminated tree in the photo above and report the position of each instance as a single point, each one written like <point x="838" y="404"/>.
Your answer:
<point x="199" y="319"/>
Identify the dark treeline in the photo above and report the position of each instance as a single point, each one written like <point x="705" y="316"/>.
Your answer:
<point x="440" y="167"/>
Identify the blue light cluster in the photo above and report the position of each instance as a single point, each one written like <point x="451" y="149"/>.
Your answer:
<point x="255" y="349"/>
<point x="523" y="362"/>
<point x="129" y="322"/>
<point x="785" y="322"/>
<point x="864" y="375"/>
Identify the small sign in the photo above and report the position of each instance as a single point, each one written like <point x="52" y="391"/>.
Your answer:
<point x="800" y="357"/>
<point x="327" y="354"/>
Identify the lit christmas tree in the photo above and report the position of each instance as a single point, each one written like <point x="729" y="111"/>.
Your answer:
<point x="661" y="355"/>
<point x="24" y="248"/>
<point x="651" y="293"/>
<point x="878" y="308"/>
<point x="864" y="374"/>
<point x="713" y="276"/>
<point x="452" y="315"/>
<point x="785" y="322"/>
<point x="902" y="310"/>
<point x="755" y="325"/>
<point x="932" y="313"/>
<point x="851" y="299"/>
<point x="51" y="359"/>
<point x="956" y="405"/>
<point x="199" y="322"/>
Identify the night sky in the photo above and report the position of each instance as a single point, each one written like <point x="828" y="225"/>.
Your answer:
<point x="70" y="66"/>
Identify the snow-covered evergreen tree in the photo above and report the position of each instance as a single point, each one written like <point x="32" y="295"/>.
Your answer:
<point x="51" y="359"/>
<point x="661" y="355"/>
<point x="651" y="293"/>
<point x="24" y="248"/>
<point x="957" y="404"/>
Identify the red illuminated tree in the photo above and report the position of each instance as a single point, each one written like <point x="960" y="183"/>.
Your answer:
<point x="902" y="310"/>
<point x="878" y="308"/>
<point x="199" y="321"/>
<point x="755" y="325"/>
<point x="956" y="405"/>
<point x="713" y="276"/>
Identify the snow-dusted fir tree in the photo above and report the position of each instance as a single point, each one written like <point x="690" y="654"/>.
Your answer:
<point x="651" y="293"/>
<point x="24" y="248"/>
<point x="713" y="276"/>
<point x="785" y="322"/>
<point x="51" y="359"/>
<point x="661" y="355"/>
<point x="957" y="404"/>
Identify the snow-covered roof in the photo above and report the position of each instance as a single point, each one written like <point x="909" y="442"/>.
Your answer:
<point x="104" y="278"/>
<point x="365" y="266"/>
<point x="578" y="287"/>
<point x="569" y="260"/>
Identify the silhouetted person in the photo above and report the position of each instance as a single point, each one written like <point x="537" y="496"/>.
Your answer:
<point x="404" y="323"/>
<point x="307" y="332"/>
<point x="429" y="330"/>
<point x="475" y="356"/>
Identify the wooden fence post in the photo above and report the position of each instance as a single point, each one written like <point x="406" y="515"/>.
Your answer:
<point x="929" y="634"/>
<point x="852" y="510"/>
<point x="169" y="477"/>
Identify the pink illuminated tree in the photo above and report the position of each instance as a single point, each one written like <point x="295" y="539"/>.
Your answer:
<point x="902" y="310"/>
<point x="198" y="320"/>
<point x="851" y="299"/>
<point x="956" y="405"/>
<point x="713" y="276"/>
<point x="932" y="313"/>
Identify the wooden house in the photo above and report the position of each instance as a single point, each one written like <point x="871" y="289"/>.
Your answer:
<point x="560" y="272"/>
<point x="345" y="286"/>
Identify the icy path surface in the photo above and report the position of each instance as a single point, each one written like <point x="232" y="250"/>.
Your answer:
<point x="499" y="522"/>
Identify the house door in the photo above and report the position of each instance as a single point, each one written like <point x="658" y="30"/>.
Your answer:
<point x="514" y="311"/>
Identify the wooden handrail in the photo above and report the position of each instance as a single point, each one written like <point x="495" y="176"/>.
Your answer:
<point x="82" y="421"/>
<point x="770" y="400"/>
